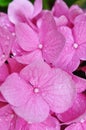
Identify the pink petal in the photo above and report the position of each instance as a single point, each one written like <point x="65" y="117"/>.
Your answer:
<point x="77" y="109"/>
<point x="6" y="40"/>
<point x="81" y="52"/>
<point x="69" y="61"/>
<point x="25" y="34"/>
<point x="30" y="57"/>
<point x="37" y="7"/>
<point x="81" y="17"/>
<point x="35" y="110"/>
<point x="79" y="32"/>
<point x="5" y="117"/>
<point x="49" y="124"/>
<point x="61" y="21"/>
<point x="77" y="126"/>
<point x="36" y="73"/>
<point x="80" y="84"/>
<point x="17" y="10"/>
<point x="52" y="40"/>
<point x="60" y="8"/>
<point x="74" y="11"/>
<point x="59" y="91"/>
<point x="14" y="66"/>
<point x="15" y="90"/>
<point x="4" y="72"/>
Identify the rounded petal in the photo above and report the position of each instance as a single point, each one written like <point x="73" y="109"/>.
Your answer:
<point x="59" y="92"/>
<point x="36" y="73"/>
<point x="15" y="90"/>
<point x="80" y="84"/>
<point x="52" y="40"/>
<point x="35" y="110"/>
<point x="77" y="126"/>
<point x="74" y="11"/>
<point x="79" y="32"/>
<point x="17" y="10"/>
<point x="37" y="7"/>
<point x="60" y="8"/>
<point x="24" y="34"/>
<point x="50" y="123"/>
<point x="77" y="109"/>
<point x="4" y="72"/>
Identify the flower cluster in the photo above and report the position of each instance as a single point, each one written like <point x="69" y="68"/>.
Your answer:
<point x="41" y="53"/>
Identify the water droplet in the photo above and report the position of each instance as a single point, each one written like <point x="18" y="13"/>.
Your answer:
<point x="14" y="53"/>
<point x="36" y="90"/>
<point x="82" y="120"/>
<point x="75" y="45"/>
<point x="3" y="57"/>
<point x="13" y="34"/>
<point x="40" y="46"/>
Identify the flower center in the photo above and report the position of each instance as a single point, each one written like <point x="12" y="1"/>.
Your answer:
<point x="75" y="45"/>
<point x="36" y="90"/>
<point x="40" y="46"/>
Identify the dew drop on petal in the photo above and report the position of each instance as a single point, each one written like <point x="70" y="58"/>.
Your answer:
<point x="36" y="90"/>
<point x="13" y="34"/>
<point x="40" y="46"/>
<point x="82" y="120"/>
<point x="75" y="45"/>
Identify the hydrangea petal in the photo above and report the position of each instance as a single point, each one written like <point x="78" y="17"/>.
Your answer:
<point x="36" y="73"/>
<point x="60" y="8"/>
<point x="69" y="61"/>
<point x="4" y="72"/>
<point x="37" y="7"/>
<point x="25" y="38"/>
<point x="52" y="40"/>
<point x="80" y="84"/>
<point x="29" y="58"/>
<point x="74" y="11"/>
<point x="49" y="124"/>
<point x="78" y="108"/>
<point x="13" y="91"/>
<point x="17" y="10"/>
<point x="77" y="126"/>
<point x="81" y="52"/>
<point x="59" y="92"/>
<point x="79" y="32"/>
<point x="35" y="110"/>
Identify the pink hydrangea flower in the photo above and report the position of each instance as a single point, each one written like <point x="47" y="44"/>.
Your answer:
<point x="38" y="85"/>
<point x="75" y="46"/>
<point x="48" y="42"/>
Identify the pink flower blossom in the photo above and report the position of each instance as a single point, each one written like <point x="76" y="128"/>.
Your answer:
<point x="38" y="85"/>
<point x="75" y="46"/>
<point x="48" y="42"/>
